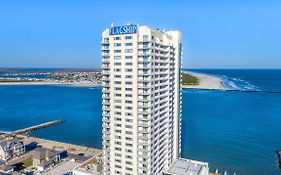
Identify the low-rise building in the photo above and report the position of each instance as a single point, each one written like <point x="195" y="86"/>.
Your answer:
<point x="44" y="158"/>
<point x="93" y="166"/>
<point x="187" y="167"/>
<point x="11" y="148"/>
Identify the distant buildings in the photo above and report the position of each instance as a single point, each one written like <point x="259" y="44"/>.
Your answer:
<point x="11" y="148"/>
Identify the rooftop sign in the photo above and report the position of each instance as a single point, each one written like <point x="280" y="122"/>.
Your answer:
<point x="119" y="30"/>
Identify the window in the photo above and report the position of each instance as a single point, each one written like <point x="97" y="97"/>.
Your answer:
<point x="128" y="95"/>
<point x="117" y="38"/>
<point x="117" y="101"/>
<point x="117" y="89"/>
<point x="129" y="138"/>
<point x="118" y="131"/>
<point x="117" y="137"/>
<point x="117" y="64"/>
<point x="129" y="63"/>
<point x="128" y="44"/>
<point x="117" y="57"/>
<point x="129" y="70"/>
<point x="117" y="76"/>
<point x="117" y="51"/>
<point x="117" y="166"/>
<point x="128" y="76"/>
<point x="117" y="82"/>
<point x="128" y="57"/>
<point x="128" y="89"/>
<point x="117" y="95"/>
<point x="106" y="40"/>
<point x="128" y="101"/>
<point x="117" y="143"/>
<point x="117" y="70"/>
<point x="128" y="50"/>
<point x="129" y="83"/>
<point x="145" y="37"/>
<point x="106" y="57"/>
<point x="117" y="44"/>
<point x="128" y="37"/>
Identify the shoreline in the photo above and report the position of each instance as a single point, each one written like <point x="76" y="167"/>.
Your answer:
<point x="206" y="82"/>
<point x="50" y="83"/>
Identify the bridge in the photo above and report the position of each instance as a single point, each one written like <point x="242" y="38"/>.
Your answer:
<point x="37" y="127"/>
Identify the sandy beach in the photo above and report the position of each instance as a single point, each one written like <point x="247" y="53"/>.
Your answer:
<point x="205" y="82"/>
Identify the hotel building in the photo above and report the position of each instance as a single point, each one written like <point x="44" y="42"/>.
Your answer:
<point x="141" y="100"/>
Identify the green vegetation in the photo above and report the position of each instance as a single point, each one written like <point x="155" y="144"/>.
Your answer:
<point x="27" y="162"/>
<point x="188" y="79"/>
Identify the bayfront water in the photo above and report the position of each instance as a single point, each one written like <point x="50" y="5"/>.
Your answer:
<point x="234" y="131"/>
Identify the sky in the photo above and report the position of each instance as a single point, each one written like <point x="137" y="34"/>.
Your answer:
<point x="67" y="33"/>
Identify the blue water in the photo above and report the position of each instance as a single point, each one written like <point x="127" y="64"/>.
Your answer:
<point x="234" y="131"/>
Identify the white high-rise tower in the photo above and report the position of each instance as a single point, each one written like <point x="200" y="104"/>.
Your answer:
<point x="141" y="99"/>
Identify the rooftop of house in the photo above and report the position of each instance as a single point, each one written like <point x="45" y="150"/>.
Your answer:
<point x="40" y="153"/>
<point x="5" y="143"/>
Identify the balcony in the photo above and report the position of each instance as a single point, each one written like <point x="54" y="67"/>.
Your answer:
<point x="144" y="79"/>
<point x="145" y="93"/>
<point x="142" y="53"/>
<point x="144" y="124"/>
<point x="144" y="66"/>
<point x="106" y="72"/>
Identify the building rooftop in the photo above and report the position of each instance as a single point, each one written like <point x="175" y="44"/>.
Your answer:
<point x="5" y="143"/>
<point x="188" y="167"/>
<point x="91" y="166"/>
<point x="43" y="153"/>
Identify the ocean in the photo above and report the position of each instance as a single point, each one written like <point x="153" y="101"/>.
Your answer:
<point x="235" y="131"/>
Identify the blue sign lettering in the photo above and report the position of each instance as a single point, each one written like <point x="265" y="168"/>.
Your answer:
<point x="128" y="29"/>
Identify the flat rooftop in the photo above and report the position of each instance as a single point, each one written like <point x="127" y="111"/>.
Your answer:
<point x="188" y="167"/>
<point x="91" y="166"/>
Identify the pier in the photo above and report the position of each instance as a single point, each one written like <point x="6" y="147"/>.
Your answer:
<point x="37" y="127"/>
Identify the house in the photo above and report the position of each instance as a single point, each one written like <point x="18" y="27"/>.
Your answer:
<point x="44" y="158"/>
<point x="11" y="148"/>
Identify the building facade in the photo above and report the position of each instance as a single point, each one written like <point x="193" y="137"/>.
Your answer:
<point x="11" y="148"/>
<point x="141" y="99"/>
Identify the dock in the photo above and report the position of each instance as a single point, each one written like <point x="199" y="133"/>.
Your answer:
<point x="37" y="127"/>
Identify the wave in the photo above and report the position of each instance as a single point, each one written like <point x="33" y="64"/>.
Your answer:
<point x="238" y="84"/>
